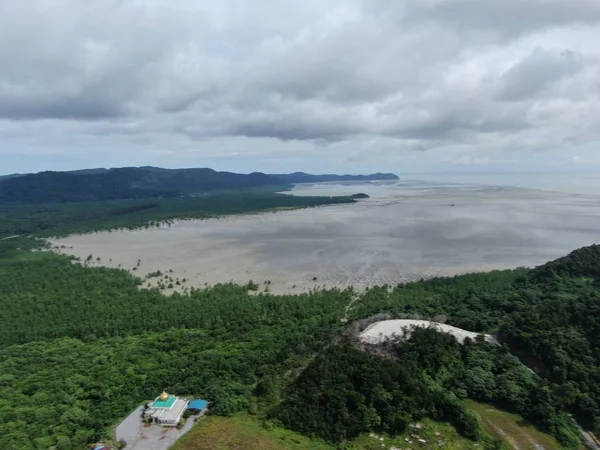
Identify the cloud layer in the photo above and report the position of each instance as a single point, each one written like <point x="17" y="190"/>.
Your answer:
<point x="404" y="86"/>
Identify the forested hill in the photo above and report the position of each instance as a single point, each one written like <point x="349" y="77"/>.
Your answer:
<point x="80" y="347"/>
<point x="301" y="177"/>
<point x="548" y="316"/>
<point x="89" y="185"/>
<point x="584" y="262"/>
<point x="123" y="183"/>
<point x="12" y="175"/>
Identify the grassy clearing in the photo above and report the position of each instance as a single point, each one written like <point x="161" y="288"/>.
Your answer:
<point x="247" y="432"/>
<point x="512" y="429"/>
<point x="244" y="432"/>
<point x="432" y="432"/>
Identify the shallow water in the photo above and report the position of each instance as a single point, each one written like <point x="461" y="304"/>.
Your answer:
<point x="405" y="231"/>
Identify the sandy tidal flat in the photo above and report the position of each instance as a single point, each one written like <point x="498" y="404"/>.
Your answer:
<point x="405" y="231"/>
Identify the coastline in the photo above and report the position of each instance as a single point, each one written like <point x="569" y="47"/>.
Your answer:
<point x="197" y="253"/>
<point x="403" y="233"/>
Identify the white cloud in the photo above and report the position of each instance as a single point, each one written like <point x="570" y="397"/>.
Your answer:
<point x="467" y="160"/>
<point x="298" y="85"/>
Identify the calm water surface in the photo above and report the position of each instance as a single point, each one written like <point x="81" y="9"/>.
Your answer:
<point x="430" y="226"/>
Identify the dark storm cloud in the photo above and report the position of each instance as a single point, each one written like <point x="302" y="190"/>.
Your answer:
<point x="506" y="18"/>
<point x="537" y="72"/>
<point x="83" y="104"/>
<point x="67" y="60"/>
<point x="287" y="131"/>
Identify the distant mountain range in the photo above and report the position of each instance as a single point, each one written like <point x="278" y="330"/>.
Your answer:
<point x="12" y="175"/>
<point x="301" y="177"/>
<point x="144" y="182"/>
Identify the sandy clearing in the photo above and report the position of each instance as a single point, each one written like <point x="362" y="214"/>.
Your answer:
<point x="401" y="328"/>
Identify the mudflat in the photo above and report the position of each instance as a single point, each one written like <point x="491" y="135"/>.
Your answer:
<point x="405" y="231"/>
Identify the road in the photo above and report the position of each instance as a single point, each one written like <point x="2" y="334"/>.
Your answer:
<point x="588" y="440"/>
<point x="10" y="237"/>
<point x="139" y="437"/>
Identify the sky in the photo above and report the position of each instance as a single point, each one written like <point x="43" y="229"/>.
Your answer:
<point x="319" y="86"/>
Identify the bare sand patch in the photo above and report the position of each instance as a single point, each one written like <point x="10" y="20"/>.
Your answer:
<point x="379" y="332"/>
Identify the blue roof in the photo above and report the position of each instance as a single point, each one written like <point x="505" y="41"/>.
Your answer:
<point x="99" y="447"/>
<point x="197" y="404"/>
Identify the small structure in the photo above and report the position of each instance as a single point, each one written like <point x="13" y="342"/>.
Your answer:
<point x="166" y="410"/>
<point x="197" y="405"/>
<point x="100" y="446"/>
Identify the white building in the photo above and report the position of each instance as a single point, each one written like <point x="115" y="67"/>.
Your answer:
<point x="166" y="410"/>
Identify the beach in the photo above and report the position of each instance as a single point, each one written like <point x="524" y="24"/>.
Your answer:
<point x="404" y="232"/>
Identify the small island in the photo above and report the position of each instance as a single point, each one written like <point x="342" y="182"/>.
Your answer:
<point x="359" y="195"/>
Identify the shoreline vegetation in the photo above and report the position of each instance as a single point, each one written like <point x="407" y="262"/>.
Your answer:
<point x="148" y="182"/>
<point x="63" y="219"/>
<point x="83" y="345"/>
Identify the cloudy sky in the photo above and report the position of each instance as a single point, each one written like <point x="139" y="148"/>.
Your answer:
<point x="284" y="85"/>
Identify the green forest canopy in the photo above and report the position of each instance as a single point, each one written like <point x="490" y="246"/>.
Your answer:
<point x="90" y="185"/>
<point x="123" y="183"/>
<point x="81" y="347"/>
<point x="54" y="219"/>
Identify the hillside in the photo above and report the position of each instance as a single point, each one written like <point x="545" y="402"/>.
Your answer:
<point x="12" y="175"/>
<point x="123" y="183"/>
<point x="86" y="344"/>
<point x="301" y="177"/>
<point x="584" y="262"/>
<point x="244" y="431"/>
<point x="89" y="185"/>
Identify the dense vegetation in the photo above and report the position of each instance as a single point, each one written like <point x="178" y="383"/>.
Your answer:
<point x="80" y="347"/>
<point x="549" y="316"/>
<point x="555" y="328"/>
<point x="12" y="175"/>
<point x="44" y="297"/>
<point x="145" y="182"/>
<point x="346" y="392"/>
<point x="476" y="302"/>
<point x="80" y="217"/>
<point x="115" y="346"/>
<point x="123" y="183"/>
